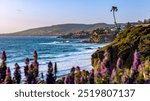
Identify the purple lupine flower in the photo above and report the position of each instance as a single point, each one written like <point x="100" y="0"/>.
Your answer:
<point x="77" y="75"/>
<point x="78" y="68"/>
<point x="8" y="79"/>
<point x="50" y="78"/>
<point x="98" y="78"/>
<point x="17" y="66"/>
<point x="119" y="63"/>
<point x="123" y="78"/>
<point x="72" y="75"/>
<point x="27" y="61"/>
<point x="67" y="79"/>
<point x="87" y="73"/>
<point x="31" y="67"/>
<point x="98" y="74"/>
<point x="72" y="70"/>
<point x="35" y="68"/>
<point x="35" y="55"/>
<point x="84" y="77"/>
<point x="82" y="80"/>
<point x="3" y="57"/>
<point x="17" y="74"/>
<point x="136" y="61"/>
<point x="91" y="76"/>
<point x="3" y="65"/>
<point x="92" y="71"/>
<point x="83" y="73"/>
<point x="8" y="71"/>
<point x="50" y="67"/>
<point x="77" y="79"/>
<point x="26" y="68"/>
<point x="50" y="64"/>
<point x="34" y="81"/>
<point x="107" y="54"/>
<point x="103" y="70"/>
<point x="113" y="73"/>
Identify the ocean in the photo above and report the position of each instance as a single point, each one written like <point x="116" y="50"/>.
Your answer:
<point x="66" y="52"/>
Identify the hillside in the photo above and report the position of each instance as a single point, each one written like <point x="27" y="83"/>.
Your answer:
<point x="57" y="30"/>
<point x="125" y="44"/>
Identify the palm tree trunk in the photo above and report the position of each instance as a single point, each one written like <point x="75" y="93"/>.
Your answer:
<point x="115" y="19"/>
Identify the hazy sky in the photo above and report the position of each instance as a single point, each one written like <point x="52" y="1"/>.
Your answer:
<point x="16" y="15"/>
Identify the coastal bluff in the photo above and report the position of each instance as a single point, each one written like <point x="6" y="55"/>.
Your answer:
<point x="130" y="39"/>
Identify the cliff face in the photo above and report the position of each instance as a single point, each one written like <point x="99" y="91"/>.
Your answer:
<point x="124" y="45"/>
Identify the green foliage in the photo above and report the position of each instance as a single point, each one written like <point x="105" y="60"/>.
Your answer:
<point x="129" y="40"/>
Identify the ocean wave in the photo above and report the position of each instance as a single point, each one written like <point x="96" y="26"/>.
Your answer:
<point x="54" y="42"/>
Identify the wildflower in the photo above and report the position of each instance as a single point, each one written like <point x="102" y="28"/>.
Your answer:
<point x="77" y="79"/>
<point x="35" y="55"/>
<point x="72" y="70"/>
<point x="3" y="66"/>
<point x="50" y="67"/>
<point x="3" y="57"/>
<point x="125" y="77"/>
<point x="113" y="76"/>
<point x="91" y="77"/>
<point x="17" y="74"/>
<point x="72" y="75"/>
<point x="98" y="78"/>
<point x="35" y="64"/>
<point x="106" y="62"/>
<point x="106" y="55"/>
<point x="8" y="79"/>
<point x="140" y="76"/>
<point x="26" y="68"/>
<point x="30" y="74"/>
<point x="147" y="68"/>
<point x="136" y="61"/>
<point x="83" y="78"/>
<point x="50" y="78"/>
<point x="119" y="63"/>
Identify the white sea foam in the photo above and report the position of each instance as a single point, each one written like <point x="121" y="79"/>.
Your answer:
<point x="54" y="42"/>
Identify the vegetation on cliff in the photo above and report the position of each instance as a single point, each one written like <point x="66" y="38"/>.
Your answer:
<point x="125" y="44"/>
<point x="77" y="35"/>
<point x="102" y="35"/>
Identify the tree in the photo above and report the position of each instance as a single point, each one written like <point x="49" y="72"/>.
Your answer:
<point x="114" y="9"/>
<point x="128" y="25"/>
<point x="140" y="22"/>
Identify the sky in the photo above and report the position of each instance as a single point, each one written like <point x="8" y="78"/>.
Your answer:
<point x="17" y="15"/>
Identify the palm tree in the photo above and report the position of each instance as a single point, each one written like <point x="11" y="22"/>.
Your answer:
<point x="114" y="9"/>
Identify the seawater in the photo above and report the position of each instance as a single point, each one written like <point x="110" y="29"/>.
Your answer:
<point x="66" y="52"/>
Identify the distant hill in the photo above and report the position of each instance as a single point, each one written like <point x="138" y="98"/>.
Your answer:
<point x="62" y="29"/>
